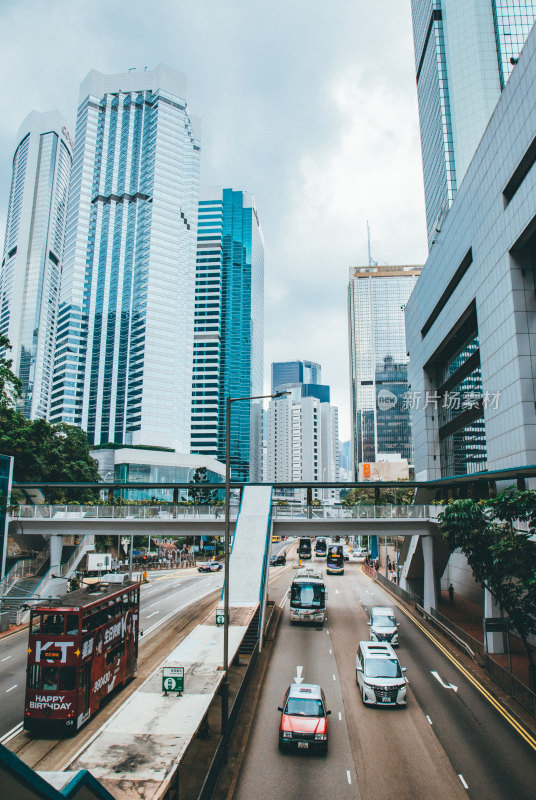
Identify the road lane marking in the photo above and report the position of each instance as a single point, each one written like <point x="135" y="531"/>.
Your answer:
<point x="531" y="740"/>
<point x="11" y="688"/>
<point x="429" y="720"/>
<point x="348" y="776"/>
<point x="340" y="716"/>
<point x="6" y="658"/>
<point x="152" y="604"/>
<point x="284" y="599"/>
<point x="161" y="621"/>
<point x="464" y="784"/>
<point x="11" y="734"/>
<point x="334" y="678"/>
<point x="153" y="614"/>
<point x="330" y="652"/>
<point x="444" y="685"/>
<point x="298" y="677"/>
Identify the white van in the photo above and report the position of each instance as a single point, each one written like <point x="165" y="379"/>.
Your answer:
<point x="379" y="675"/>
<point x="383" y="625"/>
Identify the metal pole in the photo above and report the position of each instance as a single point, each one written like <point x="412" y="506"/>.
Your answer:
<point x="5" y="532"/>
<point x="130" y="556"/>
<point x="225" y="682"/>
<point x="386" y="559"/>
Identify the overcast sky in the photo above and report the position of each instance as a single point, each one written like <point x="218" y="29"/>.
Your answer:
<point x="310" y="106"/>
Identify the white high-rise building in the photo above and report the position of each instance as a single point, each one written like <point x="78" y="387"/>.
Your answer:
<point x="123" y="367"/>
<point x="33" y="252"/>
<point x="303" y="441"/>
<point x="465" y="51"/>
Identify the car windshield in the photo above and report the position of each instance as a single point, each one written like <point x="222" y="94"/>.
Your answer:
<point x="383" y="668"/>
<point x="307" y="595"/>
<point x="304" y="707"/>
<point x="383" y="622"/>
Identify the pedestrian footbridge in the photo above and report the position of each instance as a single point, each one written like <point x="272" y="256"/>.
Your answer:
<point x="256" y="519"/>
<point x="166" y="520"/>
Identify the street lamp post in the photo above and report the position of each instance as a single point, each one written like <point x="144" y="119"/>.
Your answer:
<point x="225" y="681"/>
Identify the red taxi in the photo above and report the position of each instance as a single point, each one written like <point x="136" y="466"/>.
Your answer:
<point x="304" y="723"/>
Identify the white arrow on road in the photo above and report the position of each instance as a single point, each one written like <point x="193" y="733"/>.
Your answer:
<point x="445" y="685"/>
<point x="298" y="678"/>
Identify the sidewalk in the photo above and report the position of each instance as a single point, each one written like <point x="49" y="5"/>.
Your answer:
<point x="468" y="616"/>
<point x="13" y="629"/>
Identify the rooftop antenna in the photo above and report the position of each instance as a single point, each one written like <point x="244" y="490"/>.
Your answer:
<point x="371" y="261"/>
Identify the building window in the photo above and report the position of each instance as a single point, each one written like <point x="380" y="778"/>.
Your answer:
<point x="457" y="399"/>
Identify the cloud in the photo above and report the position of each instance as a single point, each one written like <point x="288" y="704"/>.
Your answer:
<point x="310" y="106"/>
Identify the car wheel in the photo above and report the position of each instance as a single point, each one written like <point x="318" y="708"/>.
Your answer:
<point x="281" y="748"/>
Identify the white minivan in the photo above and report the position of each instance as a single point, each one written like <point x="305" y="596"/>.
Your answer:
<point x="383" y="625"/>
<point x="379" y="675"/>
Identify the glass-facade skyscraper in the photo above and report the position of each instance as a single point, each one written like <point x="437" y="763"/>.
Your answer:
<point x="229" y="338"/>
<point x="465" y="51"/>
<point x="377" y="296"/>
<point x="285" y="372"/>
<point x="123" y="364"/>
<point x="305" y="375"/>
<point x="33" y="253"/>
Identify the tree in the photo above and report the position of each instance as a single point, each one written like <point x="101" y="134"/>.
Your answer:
<point x="10" y="384"/>
<point x="48" y="453"/>
<point x="501" y="555"/>
<point x="200" y="496"/>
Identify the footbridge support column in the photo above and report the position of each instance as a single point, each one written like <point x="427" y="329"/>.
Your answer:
<point x="496" y="641"/>
<point x="56" y="547"/>
<point x="429" y="599"/>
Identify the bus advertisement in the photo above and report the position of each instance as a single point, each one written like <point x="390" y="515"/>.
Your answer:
<point x="80" y="649"/>
<point x="305" y="547"/>
<point x="308" y="596"/>
<point x="335" y="559"/>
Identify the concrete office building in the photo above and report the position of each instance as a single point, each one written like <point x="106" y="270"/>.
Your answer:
<point x="471" y="320"/>
<point x="303" y="441"/>
<point x="33" y="253"/>
<point x="123" y="364"/>
<point x="229" y="330"/>
<point x="465" y="51"/>
<point x="377" y="296"/>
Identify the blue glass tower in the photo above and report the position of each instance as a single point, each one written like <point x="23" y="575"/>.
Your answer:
<point x="228" y="337"/>
<point x="465" y="51"/>
<point x="125" y="325"/>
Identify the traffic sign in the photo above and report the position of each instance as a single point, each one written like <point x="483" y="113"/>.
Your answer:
<point x="220" y="616"/>
<point x="173" y="679"/>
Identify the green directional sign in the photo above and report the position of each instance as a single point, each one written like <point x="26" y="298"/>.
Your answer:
<point x="173" y="679"/>
<point x="220" y="616"/>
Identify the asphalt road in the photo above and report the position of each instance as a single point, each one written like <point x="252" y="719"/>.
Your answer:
<point x="166" y="593"/>
<point x="446" y="744"/>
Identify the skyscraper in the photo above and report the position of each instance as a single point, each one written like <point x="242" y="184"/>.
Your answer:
<point x="303" y="374"/>
<point x="303" y="440"/>
<point x="33" y="251"/>
<point x="284" y="372"/>
<point x="229" y="338"/>
<point x="123" y="365"/>
<point x="465" y="51"/>
<point x="378" y="360"/>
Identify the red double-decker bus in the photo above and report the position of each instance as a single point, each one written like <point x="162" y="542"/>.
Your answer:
<point x="81" y="648"/>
